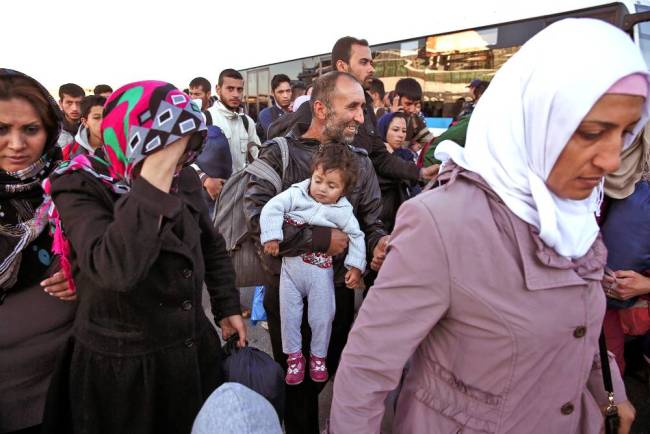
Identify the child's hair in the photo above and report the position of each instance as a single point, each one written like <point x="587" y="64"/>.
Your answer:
<point x="89" y="102"/>
<point x="337" y="156"/>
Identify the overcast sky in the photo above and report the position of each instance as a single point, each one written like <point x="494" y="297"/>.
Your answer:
<point x="118" y="41"/>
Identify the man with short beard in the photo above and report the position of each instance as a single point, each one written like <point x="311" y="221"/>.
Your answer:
<point x="238" y="128"/>
<point x="354" y="56"/>
<point x="337" y="105"/>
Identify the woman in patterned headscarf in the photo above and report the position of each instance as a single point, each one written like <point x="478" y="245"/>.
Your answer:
<point x="133" y="230"/>
<point x="32" y="324"/>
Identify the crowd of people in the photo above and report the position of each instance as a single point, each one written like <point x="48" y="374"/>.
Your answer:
<point x="492" y="258"/>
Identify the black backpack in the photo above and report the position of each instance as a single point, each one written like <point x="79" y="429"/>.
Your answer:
<point x="230" y="221"/>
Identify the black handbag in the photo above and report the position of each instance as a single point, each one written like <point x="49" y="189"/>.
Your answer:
<point x="612" y="420"/>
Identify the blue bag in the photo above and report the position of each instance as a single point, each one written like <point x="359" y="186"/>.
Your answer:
<point x="256" y="370"/>
<point x="257" y="311"/>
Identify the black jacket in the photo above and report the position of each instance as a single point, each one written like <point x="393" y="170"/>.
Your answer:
<point x="386" y="164"/>
<point x="365" y="199"/>
<point x="266" y="118"/>
<point x="139" y="262"/>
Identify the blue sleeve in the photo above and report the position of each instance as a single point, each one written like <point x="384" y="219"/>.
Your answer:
<point x="265" y="118"/>
<point x="215" y="159"/>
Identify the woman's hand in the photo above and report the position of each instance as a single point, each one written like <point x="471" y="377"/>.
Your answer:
<point x="630" y="284"/>
<point x="609" y="284"/>
<point x="57" y="286"/>
<point x="234" y="324"/>
<point x="159" y="168"/>
<point x="626" y="414"/>
<point x="213" y="186"/>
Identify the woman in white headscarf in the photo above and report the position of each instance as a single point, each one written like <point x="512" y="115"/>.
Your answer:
<point x="492" y="282"/>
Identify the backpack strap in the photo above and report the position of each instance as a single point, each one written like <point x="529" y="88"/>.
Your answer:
<point x="208" y="117"/>
<point x="284" y="151"/>
<point x="244" y="119"/>
<point x="262" y="170"/>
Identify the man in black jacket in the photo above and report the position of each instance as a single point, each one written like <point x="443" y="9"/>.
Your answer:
<point x="337" y="105"/>
<point x="354" y="56"/>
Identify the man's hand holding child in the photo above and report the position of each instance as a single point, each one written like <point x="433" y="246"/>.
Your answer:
<point x="272" y="247"/>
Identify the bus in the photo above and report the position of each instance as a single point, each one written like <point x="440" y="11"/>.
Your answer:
<point x="444" y="63"/>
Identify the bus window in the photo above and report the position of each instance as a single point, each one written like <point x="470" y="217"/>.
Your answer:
<point x="263" y="89"/>
<point x="445" y="64"/>
<point x="251" y="94"/>
<point x="642" y="31"/>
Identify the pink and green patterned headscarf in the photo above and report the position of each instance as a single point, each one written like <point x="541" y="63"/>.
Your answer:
<point x="139" y="119"/>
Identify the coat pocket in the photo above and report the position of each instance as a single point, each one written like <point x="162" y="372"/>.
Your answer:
<point x="470" y="407"/>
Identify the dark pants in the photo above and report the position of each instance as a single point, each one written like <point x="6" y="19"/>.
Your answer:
<point x="301" y="409"/>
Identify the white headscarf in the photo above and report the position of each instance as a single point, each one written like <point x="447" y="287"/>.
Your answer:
<point x="529" y="112"/>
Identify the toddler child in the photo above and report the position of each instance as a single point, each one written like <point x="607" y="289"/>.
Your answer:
<point x="319" y="201"/>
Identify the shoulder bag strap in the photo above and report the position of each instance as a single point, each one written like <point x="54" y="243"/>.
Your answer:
<point x="611" y="412"/>
<point x="261" y="169"/>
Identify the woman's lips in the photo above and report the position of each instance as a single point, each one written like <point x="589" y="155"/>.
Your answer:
<point x="18" y="159"/>
<point x="590" y="182"/>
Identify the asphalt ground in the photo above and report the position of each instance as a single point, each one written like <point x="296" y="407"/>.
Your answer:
<point x="636" y="379"/>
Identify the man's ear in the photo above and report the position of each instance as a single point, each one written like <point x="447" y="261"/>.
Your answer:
<point x="320" y="110"/>
<point x="341" y="66"/>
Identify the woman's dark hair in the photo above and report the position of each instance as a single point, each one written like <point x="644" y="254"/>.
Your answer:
<point x="89" y="102"/>
<point x="337" y="156"/>
<point x="21" y="87"/>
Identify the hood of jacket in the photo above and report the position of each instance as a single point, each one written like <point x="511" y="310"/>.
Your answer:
<point x="84" y="140"/>
<point x="303" y="187"/>
<point x="236" y="409"/>
<point x="225" y="111"/>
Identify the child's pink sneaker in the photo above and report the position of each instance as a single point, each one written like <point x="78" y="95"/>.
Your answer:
<point x="318" y="369"/>
<point x="295" y="369"/>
